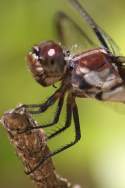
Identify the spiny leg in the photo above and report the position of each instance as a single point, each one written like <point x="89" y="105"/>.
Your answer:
<point x="55" y="119"/>
<point x="43" y="107"/>
<point x="68" y="119"/>
<point x="69" y="110"/>
<point x="77" y="137"/>
<point x="49" y="102"/>
<point x="76" y="122"/>
<point x="57" y="114"/>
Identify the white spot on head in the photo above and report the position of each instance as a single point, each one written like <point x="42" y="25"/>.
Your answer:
<point x="51" y="52"/>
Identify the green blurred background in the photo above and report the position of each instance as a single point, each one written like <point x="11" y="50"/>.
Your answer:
<point x="98" y="160"/>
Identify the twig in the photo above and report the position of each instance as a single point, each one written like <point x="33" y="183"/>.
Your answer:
<point x="31" y="147"/>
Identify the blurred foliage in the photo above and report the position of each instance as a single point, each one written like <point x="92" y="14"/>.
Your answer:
<point x="98" y="160"/>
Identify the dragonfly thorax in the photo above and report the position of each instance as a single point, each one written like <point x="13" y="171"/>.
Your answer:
<point x="94" y="73"/>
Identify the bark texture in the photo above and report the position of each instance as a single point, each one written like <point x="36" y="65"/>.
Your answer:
<point x="31" y="147"/>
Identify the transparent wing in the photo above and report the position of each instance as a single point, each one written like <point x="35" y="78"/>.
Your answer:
<point x="105" y="40"/>
<point x="71" y="35"/>
<point x="113" y="47"/>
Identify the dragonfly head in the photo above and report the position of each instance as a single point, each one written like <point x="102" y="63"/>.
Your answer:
<point x="47" y="62"/>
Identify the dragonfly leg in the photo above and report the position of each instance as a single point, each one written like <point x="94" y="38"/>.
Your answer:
<point x="68" y="119"/>
<point x="43" y="107"/>
<point x="55" y="119"/>
<point x="74" y="110"/>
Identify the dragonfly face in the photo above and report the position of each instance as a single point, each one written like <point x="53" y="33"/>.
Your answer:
<point x="47" y="62"/>
<point x="98" y="73"/>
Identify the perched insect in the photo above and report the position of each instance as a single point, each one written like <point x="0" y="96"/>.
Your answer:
<point x="97" y="73"/>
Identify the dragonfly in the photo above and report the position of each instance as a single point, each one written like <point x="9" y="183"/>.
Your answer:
<point x="97" y="73"/>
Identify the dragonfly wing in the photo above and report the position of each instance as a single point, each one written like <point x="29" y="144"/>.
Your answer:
<point x="71" y="35"/>
<point x="113" y="47"/>
<point x="105" y="40"/>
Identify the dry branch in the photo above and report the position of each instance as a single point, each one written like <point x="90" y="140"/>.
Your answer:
<point x="31" y="147"/>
